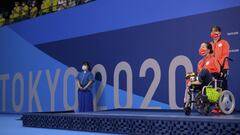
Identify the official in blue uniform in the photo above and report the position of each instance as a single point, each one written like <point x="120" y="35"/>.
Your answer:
<point x="85" y="80"/>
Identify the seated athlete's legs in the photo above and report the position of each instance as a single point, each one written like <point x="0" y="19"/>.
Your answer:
<point x="205" y="77"/>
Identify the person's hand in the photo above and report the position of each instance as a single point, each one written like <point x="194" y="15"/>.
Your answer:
<point x="81" y="88"/>
<point x="84" y="88"/>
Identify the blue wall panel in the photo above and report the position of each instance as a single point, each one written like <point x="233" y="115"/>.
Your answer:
<point x="54" y="46"/>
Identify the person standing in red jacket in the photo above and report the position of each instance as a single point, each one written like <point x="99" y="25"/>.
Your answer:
<point x="221" y="51"/>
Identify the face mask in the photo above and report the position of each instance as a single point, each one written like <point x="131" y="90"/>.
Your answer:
<point x="214" y="35"/>
<point x="84" y="68"/>
<point x="202" y="51"/>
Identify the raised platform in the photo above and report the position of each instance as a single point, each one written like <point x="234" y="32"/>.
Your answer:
<point x="135" y="121"/>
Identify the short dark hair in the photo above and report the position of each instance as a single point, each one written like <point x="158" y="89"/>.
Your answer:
<point x="217" y="28"/>
<point x="209" y="47"/>
<point x="87" y="64"/>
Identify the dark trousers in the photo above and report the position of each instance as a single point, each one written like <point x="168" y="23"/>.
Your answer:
<point x="225" y="79"/>
<point x="205" y="77"/>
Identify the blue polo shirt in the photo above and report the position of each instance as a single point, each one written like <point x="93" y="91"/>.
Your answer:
<point x="84" y="78"/>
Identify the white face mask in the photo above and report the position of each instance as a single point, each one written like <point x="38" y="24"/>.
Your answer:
<point x="84" y="68"/>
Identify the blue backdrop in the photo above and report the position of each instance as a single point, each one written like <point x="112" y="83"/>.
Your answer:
<point x="139" y="56"/>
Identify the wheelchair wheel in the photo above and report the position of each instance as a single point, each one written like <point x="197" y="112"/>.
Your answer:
<point x="206" y="109"/>
<point x="187" y="108"/>
<point x="226" y="102"/>
<point x="202" y="104"/>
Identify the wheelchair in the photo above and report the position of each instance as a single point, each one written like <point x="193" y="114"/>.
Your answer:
<point x="203" y="98"/>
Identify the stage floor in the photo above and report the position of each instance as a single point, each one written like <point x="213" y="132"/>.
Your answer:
<point x="161" y="114"/>
<point x="11" y="125"/>
<point x="137" y="121"/>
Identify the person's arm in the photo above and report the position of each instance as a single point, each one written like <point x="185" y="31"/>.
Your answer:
<point x="78" y="82"/>
<point x="88" y="84"/>
<point x="193" y="83"/>
<point x="217" y="66"/>
<point x="79" y="85"/>
<point x="90" y="78"/>
<point x="225" y="51"/>
<point x="196" y="83"/>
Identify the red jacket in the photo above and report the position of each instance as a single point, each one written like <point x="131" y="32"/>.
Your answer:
<point x="209" y="63"/>
<point x="221" y="50"/>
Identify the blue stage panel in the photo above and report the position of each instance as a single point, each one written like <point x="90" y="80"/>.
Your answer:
<point x="132" y="121"/>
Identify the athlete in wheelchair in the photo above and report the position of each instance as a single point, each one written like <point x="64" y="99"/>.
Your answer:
<point x="205" y="90"/>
